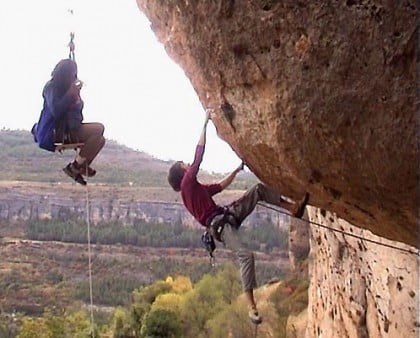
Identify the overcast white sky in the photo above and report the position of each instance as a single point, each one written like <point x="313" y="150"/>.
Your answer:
<point x="131" y="85"/>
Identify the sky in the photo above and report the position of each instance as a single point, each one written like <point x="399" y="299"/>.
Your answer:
<point x="131" y="85"/>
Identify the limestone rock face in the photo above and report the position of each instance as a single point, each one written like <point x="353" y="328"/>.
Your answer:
<point x="299" y="231"/>
<point x="313" y="95"/>
<point x="357" y="288"/>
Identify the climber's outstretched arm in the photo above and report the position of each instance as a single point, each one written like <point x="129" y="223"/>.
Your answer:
<point x="199" y="151"/>
<point x="202" y="141"/>
<point x="225" y="182"/>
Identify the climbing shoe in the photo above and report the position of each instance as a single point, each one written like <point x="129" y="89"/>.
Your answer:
<point x="254" y="317"/>
<point x="74" y="173"/>
<point x="90" y="171"/>
<point x="302" y="205"/>
<point x="82" y="169"/>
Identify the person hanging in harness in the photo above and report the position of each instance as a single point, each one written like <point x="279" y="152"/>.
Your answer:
<point x="61" y="121"/>
<point x="223" y="222"/>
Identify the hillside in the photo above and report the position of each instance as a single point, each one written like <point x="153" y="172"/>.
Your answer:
<point x="44" y="263"/>
<point x="22" y="160"/>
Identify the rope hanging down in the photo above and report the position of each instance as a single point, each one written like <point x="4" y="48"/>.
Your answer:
<point x="344" y="232"/>
<point x="71" y="43"/>
<point x="92" y="323"/>
<point x="72" y="47"/>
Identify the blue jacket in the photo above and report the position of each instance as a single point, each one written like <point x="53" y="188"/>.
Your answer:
<point x="56" y="109"/>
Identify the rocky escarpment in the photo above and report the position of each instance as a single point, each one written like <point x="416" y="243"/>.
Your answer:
<point x="358" y="288"/>
<point x="317" y="96"/>
<point x="320" y="96"/>
<point x="361" y="285"/>
<point x="19" y="202"/>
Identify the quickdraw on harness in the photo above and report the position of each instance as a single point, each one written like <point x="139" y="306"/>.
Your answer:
<point x="215" y="230"/>
<point x="209" y="244"/>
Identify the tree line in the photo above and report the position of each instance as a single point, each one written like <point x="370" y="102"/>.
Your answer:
<point x="175" y="307"/>
<point x="264" y="237"/>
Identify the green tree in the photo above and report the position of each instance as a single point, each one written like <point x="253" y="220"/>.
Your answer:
<point x="78" y="325"/>
<point x="123" y="327"/>
<point x="232" y="321"/>
<point x="228" y="280"/>
<point x="162" y="323"/>
<point x="179" y="284"/>
<point x="149" y="293"/>
<point x="34" y="328"/>
<point x="210" y="296"/>
<point x="167" y="301"/>
<point x="9" y="325"/>
<point x="137" y="314"/>
<point x="55" y="324"/>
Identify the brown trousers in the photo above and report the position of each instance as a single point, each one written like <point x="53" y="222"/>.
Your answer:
<point x="92" y="135"/>
<point x="233" y="238"/>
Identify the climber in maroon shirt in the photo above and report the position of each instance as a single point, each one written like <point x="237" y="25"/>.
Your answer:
<point x="224" y="222"/>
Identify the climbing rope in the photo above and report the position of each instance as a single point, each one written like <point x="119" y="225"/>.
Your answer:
<point x="92" y="323"/>
<point x="72" y="47"/>
<point x="417" y="253"/>
<point x="71" y="44"/>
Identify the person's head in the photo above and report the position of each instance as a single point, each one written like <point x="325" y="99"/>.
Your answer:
<point x="64" y="74"/>
<point x="176" y="174"/>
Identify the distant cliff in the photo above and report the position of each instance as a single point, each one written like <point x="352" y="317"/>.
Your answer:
<point x="21" y="201"/>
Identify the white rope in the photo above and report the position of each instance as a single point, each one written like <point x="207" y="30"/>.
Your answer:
<point x="72" y="32"/>
<point x="92" y="323"/>
<point x="417" y="252"/>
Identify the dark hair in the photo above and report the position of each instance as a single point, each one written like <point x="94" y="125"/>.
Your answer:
<point x="33" y="132"/>
<point x="175" y="176"/>
<point x="62" y="74"/>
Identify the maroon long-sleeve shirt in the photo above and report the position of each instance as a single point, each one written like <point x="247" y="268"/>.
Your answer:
<point x="197" y="197"/>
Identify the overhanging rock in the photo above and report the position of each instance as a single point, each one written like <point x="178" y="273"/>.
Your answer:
<point x="317" y="96"/>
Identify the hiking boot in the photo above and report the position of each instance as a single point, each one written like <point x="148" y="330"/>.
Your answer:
<point x="74" y="173"/>
<point x="90" y="171"/>
<point x="82" y="169"/>
<point x="254" y="317"/>
<point x="302" y="205"/>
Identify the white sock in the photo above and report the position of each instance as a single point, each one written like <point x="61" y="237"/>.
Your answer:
<point x="80" y="160"/>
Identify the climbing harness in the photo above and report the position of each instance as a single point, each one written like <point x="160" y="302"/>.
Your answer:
<point x="344" y="232"/>
<point x="215" y="230"/>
